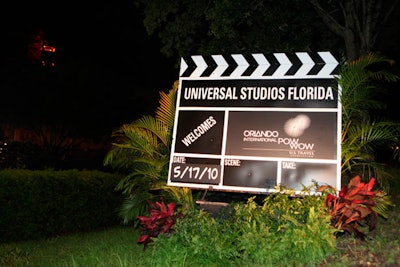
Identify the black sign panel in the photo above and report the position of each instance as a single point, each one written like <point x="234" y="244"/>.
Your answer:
<point x="196" y="170"/>
<point x="297" y="93"/>
<point x="200" y="132"/>
<point x="282" y="134"/>
<point x="250" y="173"/>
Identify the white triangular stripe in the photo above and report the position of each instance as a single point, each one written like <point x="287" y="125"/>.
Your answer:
<point x="307" y="64"/>
<point x="201" y="66"/>
<point x="242" y="65"/>
<point x="263" y="65"/>
<point x="284" y="65"/>
<point x="284" y="62"/>
<point x="222" y="65"/>
<point x="184" y="66"/>
<point x="331" y="64"/>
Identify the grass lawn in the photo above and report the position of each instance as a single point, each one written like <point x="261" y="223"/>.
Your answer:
<point x="117" y="246"/>
<point x="114" y="246"/>
<point x="381" y="247"/>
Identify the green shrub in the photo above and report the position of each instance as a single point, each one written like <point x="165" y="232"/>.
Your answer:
<point x="198" y="240"/>
<point x="38" y="204"/>
<point x="293" y="229"/>
<point x="287" y="230"/>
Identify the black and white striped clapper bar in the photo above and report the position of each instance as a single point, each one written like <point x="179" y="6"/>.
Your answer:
<point x="275" y="65"/>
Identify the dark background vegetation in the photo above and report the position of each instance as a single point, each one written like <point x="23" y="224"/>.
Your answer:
<point x="107" y="71"/>
<point x="113" y="58"/>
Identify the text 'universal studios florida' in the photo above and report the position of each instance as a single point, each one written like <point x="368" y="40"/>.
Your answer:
<point x="259" y="93"/>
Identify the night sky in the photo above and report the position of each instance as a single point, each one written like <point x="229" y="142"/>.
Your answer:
<point x="108" y="70"/>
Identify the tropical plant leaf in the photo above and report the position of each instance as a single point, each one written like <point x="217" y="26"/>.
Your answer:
<point x="141" y="150"/>
<point x="166" y="110"/>
<point x="160" y="221"/>
<point x="362" y="132"/>
<point x="357" y="204"/>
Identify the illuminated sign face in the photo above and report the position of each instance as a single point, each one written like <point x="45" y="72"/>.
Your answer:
<point x="250" y="128"/>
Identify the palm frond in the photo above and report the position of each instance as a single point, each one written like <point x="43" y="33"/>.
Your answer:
<point x="362" y="133"/>
<point x="155" y="128"/>
<point x="132" y="207"/>
<point x="383" y="205"/>
<point x="165" y="112"/>
<point x="358" y="88"/>
<point x="135" y="140"/>
<point x="152" y="169"/>
<point x="119" y="158"/>
<point x="182" y="196"/>
<point x="141" y="149"/>
<point x="360" y="143"/>
<point x="381" y="132"/>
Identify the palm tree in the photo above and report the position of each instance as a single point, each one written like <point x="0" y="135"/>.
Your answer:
<point x="141" y="150"/>
<point x="363" y="131"/>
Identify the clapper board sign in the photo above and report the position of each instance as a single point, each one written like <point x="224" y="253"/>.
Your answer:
<point x="250" y="123"/>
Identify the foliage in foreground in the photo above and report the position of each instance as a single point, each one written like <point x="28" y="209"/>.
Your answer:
<point x="160" y="221"/>
<point x="364" y="130"/>
<point x="42" y="203"/>
<point x="141" y="151"/>
<point x="357" y="206"/>
<point x="116" y="246"/>
<point x="283" y="229"/>
<point x="299" y="230"/>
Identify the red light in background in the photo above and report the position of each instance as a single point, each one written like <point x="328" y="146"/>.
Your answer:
<point x="49" y="48"/>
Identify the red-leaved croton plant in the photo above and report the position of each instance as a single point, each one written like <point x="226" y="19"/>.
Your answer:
<point x="356" y="205"/>
<point x="160" y="221"/>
